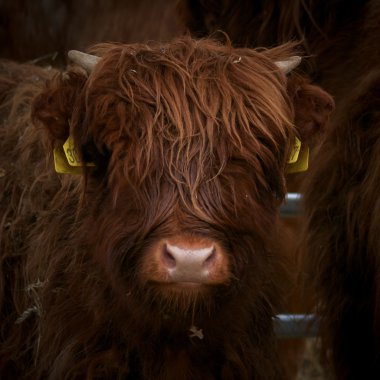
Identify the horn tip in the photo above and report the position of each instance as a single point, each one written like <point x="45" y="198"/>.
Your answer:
<point x="296" y="60"/>
<point x="289" y="64"/>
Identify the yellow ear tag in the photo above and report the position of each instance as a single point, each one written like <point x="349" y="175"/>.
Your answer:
<point x="61" y="165"/>
<point x="71" y="152"/>
<point x="299" y="158"/>
<point x="295" y="151"/>
<point x="66" y="159"/>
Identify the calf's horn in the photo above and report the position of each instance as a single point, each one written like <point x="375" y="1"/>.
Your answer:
<point x="86" y="61"/>
<point x="288" y="65"/>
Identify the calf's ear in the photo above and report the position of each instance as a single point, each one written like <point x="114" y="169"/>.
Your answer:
<point x="61" y="105"/>
<point x="312" y="108"/>
<point x="52" y="109"/>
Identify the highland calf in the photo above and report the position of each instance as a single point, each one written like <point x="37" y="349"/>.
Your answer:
<point x="162" y="255"/>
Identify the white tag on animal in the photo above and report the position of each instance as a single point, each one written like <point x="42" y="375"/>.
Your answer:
<point x="196" y="333"/>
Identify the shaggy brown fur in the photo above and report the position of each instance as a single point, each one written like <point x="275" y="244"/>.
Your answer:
<point x="342" y="198"/>
<point x="187" y="137"/>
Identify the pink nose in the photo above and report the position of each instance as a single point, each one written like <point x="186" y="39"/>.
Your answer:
<point x="186" y="260"/>
<point x="189" y="265"/>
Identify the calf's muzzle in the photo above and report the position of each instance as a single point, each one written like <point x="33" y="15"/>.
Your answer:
<point x="187" y="260"/>
<point x="185" y="264"/>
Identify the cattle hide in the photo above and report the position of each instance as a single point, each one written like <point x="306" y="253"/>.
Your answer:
<point x="165" y="259"/>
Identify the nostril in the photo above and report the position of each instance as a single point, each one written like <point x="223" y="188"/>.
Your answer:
<point x="168" y="258"/>
<point x="210" y="258"/>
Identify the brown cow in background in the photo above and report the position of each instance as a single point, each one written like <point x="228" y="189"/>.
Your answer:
<point x="44" y="30"/>
<point x="342" y="198"/>
<point x="165" y="258"/>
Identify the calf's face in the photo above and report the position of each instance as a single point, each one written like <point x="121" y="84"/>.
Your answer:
<point x="190" y="142"/>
